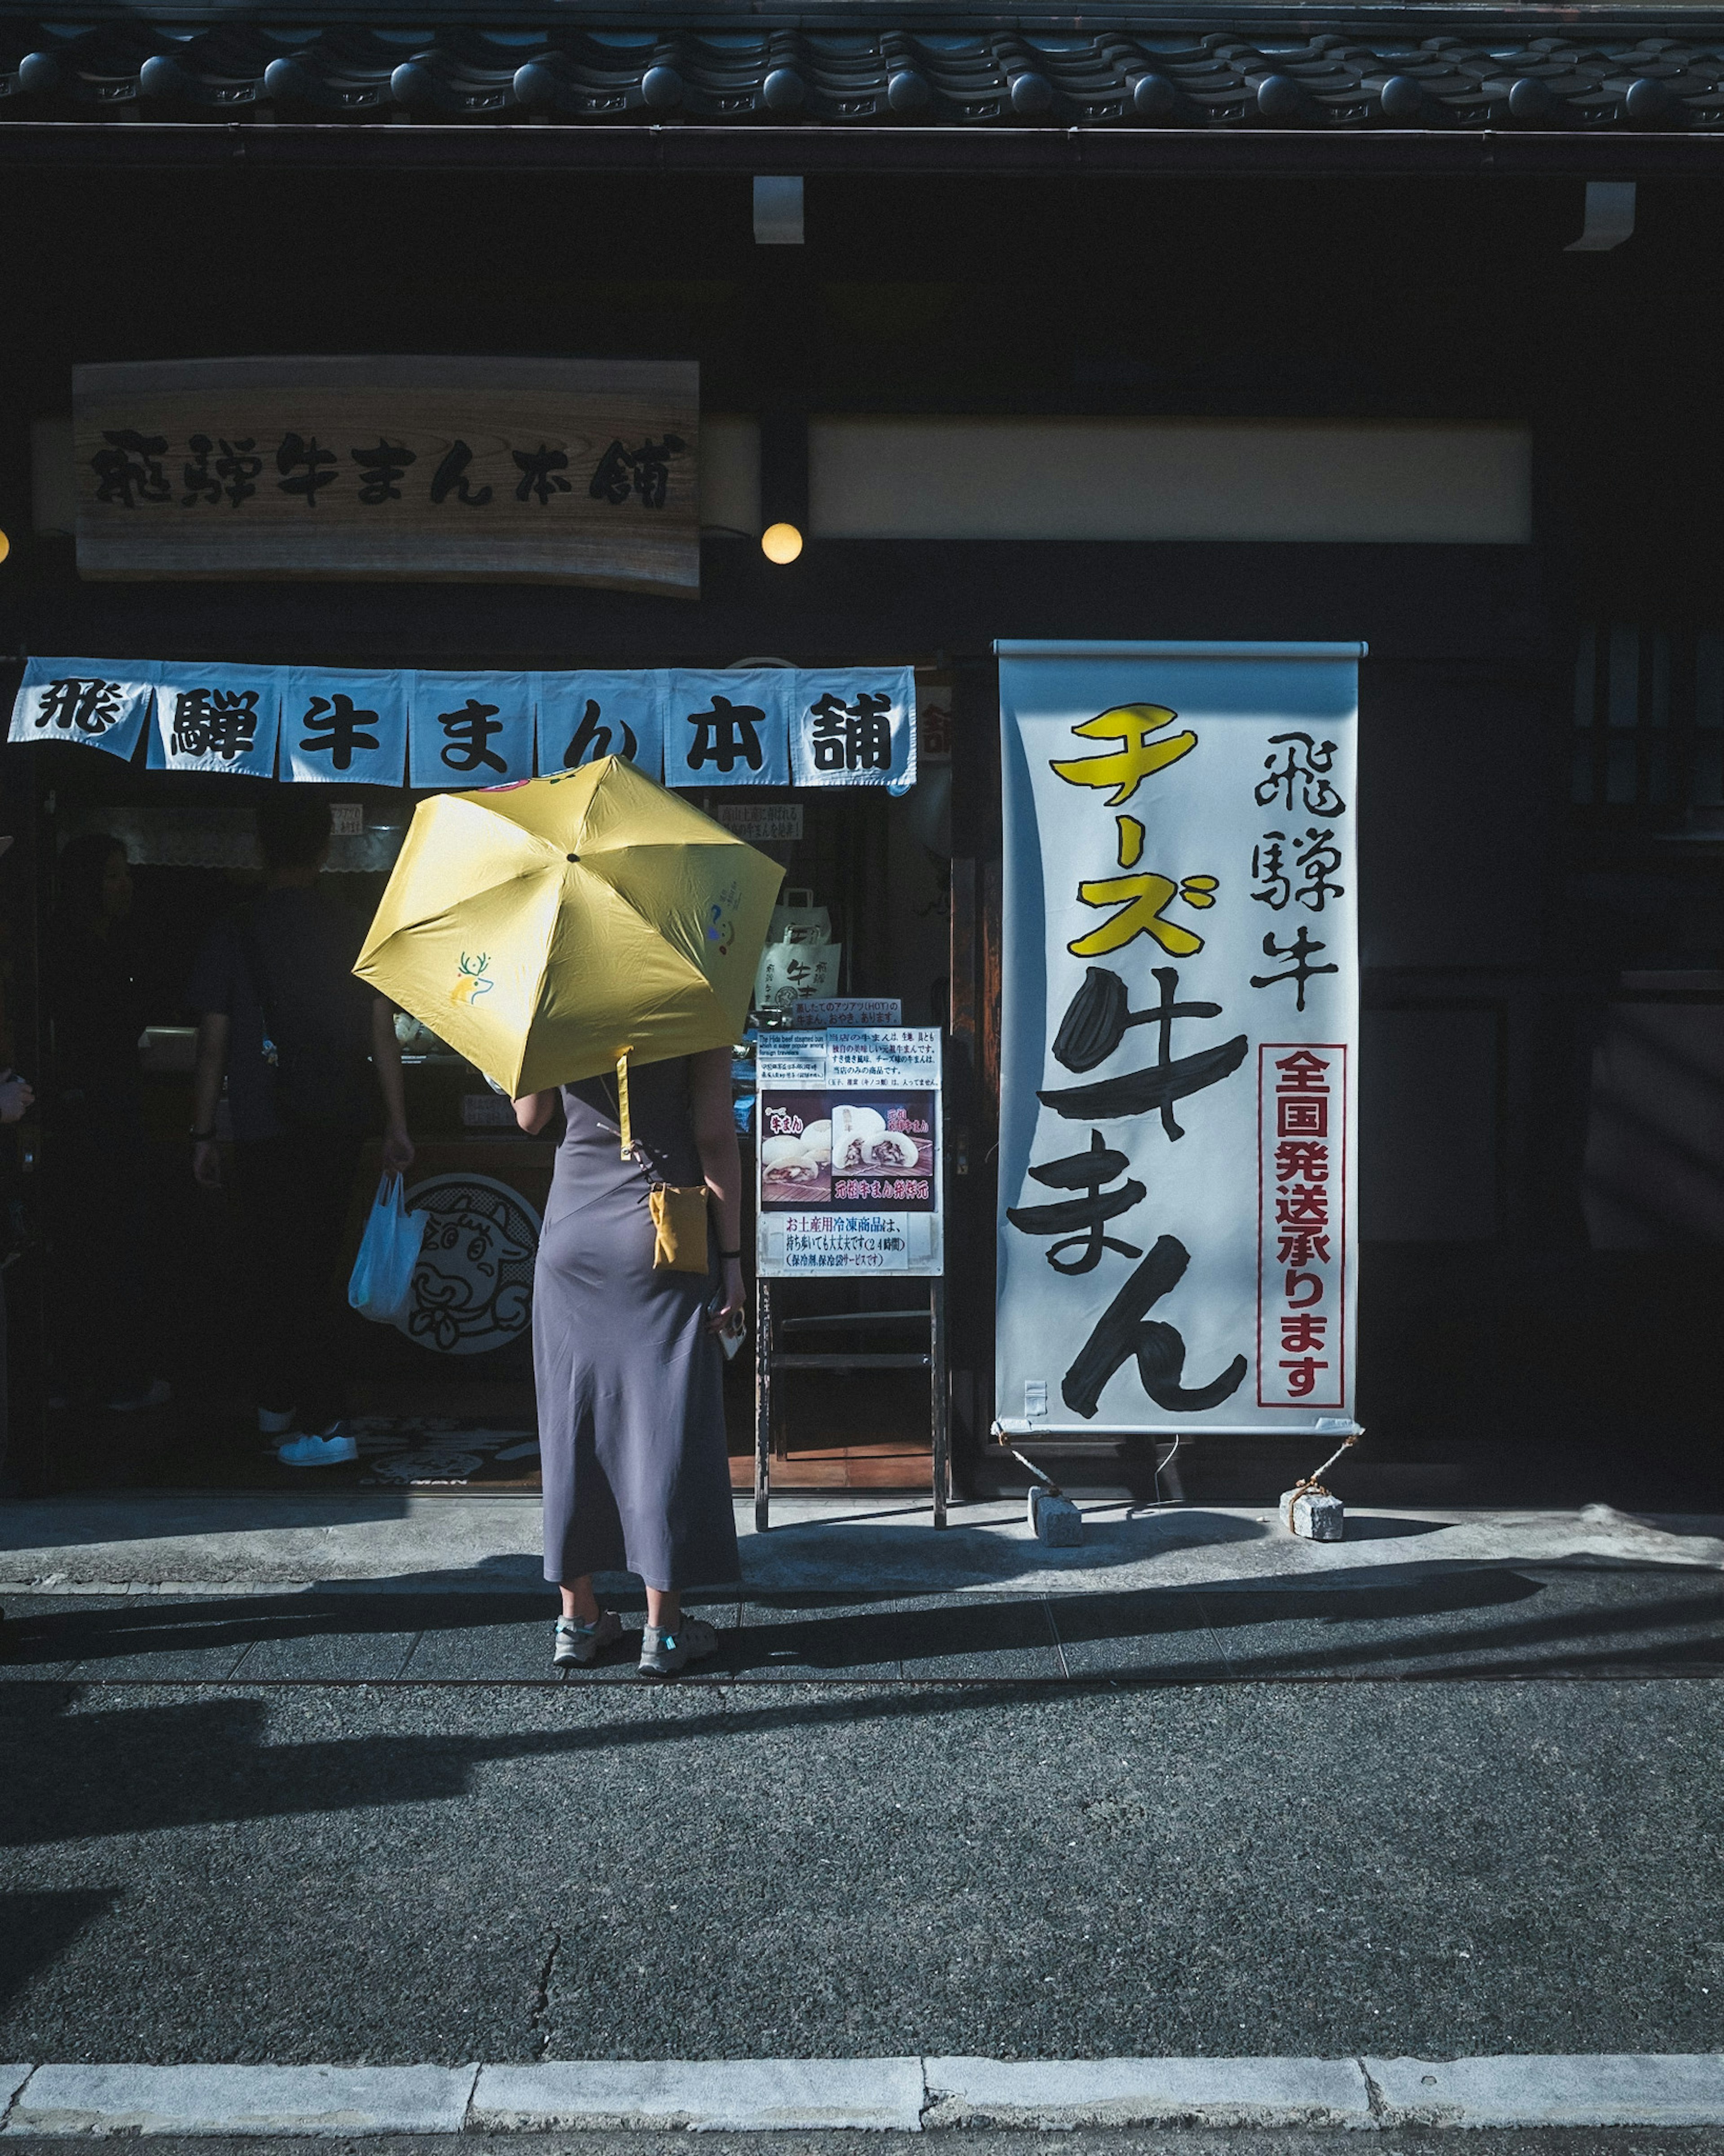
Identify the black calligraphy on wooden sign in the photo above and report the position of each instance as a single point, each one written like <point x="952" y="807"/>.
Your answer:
<point x="569" y="471"/>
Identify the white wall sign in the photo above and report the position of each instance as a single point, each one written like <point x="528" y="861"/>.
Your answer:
<point x="1177" y="1248"/>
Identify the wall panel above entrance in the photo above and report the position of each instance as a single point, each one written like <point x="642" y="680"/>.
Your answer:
<point x="902" y="478"/>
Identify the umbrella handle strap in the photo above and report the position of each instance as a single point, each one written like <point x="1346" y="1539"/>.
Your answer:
<point x="622" y="1103"/>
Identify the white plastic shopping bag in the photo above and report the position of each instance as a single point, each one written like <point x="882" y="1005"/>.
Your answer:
<point x="388" y="1250"/>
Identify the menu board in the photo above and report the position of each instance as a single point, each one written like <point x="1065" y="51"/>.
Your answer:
<point x="848" y="1165"/>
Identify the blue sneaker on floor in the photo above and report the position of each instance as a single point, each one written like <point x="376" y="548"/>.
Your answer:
<point x="332" y="1447"/>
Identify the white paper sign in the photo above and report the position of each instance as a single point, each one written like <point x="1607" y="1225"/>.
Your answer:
<point x="854" y="727"/>
<point x="1177" y="1239"/>
<point x="728" y="729"/>
<point x="790" y="1059"/>
<point x="850" y="1243"/>
<point x="822" y="1011"/>
<point x="87" y="703"/>
<point x="470" y="730"/>
<point x="761" y="822"/>
<point x="585" y="716"/>
<point x="217" y="718"/>
<point x="869" y="1057"/>
<point x="342" y="728"/>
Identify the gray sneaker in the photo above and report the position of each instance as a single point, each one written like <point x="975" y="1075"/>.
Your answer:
<point x="665" y="1654"/>
<point x="577" y="1646"/>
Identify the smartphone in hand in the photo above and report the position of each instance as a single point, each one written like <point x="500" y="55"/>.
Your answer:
<point x="730" y="1339"/>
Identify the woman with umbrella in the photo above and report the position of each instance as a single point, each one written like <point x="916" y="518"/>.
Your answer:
<point x="590" y="938"/>
<point x="631" y="1408"/>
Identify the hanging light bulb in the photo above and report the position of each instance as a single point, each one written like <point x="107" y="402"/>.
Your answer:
<point x="781" y="543"/>
<point x="6" y="545"/>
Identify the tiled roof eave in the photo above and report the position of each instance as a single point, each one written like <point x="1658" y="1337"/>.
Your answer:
<point x="1537" y="74"/>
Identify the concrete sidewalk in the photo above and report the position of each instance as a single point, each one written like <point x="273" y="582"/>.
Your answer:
<point x="413" y="1591"/>
<point x="835" y="1542"/>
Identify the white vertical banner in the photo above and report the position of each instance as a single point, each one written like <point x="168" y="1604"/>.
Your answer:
<point x="854" y="727"/>
<point x="585" y="716"/>
<point x="1177" y="1239"/>
<point x="344" y="728"/>
<point x="730" y="728"/>
<point x="217" y="718"/>
<point x="470" y="729"/>
<point x="88" y="703"/>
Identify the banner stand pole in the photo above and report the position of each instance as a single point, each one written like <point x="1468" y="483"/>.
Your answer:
<point x="762" y="1403"/>
<point x="940" y="1443"/>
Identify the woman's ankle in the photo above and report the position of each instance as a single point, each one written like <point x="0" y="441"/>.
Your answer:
<point x="579" y="1603"/>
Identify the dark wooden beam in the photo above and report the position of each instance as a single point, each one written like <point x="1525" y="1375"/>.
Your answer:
<point x="1102" y="153"/>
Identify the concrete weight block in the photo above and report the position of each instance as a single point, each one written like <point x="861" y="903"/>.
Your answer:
<point x="1057" y="1521"/>
<point x="1316" y="1518"/>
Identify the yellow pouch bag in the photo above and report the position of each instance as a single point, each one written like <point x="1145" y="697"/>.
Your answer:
<point x="679" y="1217"/>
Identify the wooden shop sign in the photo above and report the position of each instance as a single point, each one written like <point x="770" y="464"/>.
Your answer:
<point x="522" y="470"/>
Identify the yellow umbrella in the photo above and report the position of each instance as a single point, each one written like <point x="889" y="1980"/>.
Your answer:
<point x="557" y="928"/>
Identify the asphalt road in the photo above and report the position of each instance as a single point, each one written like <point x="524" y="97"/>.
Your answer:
<point x="1280" y="2141"/>
<point x="401" y="1873"/>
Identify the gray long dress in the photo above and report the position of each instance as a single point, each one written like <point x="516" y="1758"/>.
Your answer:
<point x="631" y="1406"/>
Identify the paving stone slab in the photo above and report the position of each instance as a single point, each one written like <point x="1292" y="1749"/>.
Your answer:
<point x="380" y="1655"/>
<point x="1061" y="2094"/>
<point x="1138" y="1634"/>
<point x="227" y="2099"/>
<point x="911" y="1636"/>
<point x="480" y="1645"/>
<point x="821" y="1636"/>
<point x="1503" y="1621"/>
<point x="1644" y="2089"/>
<point x="737" y="2095"/>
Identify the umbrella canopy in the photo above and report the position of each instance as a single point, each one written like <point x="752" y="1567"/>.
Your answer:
<point x="549" y="928"/>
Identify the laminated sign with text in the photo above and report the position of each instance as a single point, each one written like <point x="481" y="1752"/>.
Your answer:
<point x="1177" y="1248"/>
<point x="848" y="1163"/>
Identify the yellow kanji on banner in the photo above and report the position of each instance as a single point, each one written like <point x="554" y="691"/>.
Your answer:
<point x="1142" y="900"/>
<point x="1134" y="726"/>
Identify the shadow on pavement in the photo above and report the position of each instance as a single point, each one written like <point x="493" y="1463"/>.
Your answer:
<point x="35" y="1928"/>
<point x="1447" y="1620"/>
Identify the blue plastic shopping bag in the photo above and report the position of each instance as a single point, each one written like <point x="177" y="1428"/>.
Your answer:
<point x="388" y="1250"/>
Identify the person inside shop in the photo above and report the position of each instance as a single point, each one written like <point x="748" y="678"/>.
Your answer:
<point x="16" y="1096"/>
<point x="97" y="1155"/>
<point x="626" y="1356"/>
<point x="308" y="1053"/>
